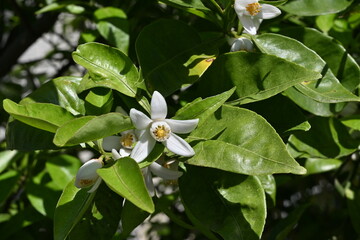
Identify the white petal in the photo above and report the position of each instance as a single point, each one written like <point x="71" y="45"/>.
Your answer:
<point x="139" y="119"/>
<point x="164" y="172"/>
<point x="115" y="154"/>
<point x="125" y="152"/>
<point x="242" y="44"/>
<point x="240" y="6"/>
<point x="86" y="175"/>
<point x="182" y="126"/>
<point x="250" y="24"/>
<point x="111" y="142"/>
<point x="269" y="11"/>
<point x="179" y="146"/>
<point x="158" y="106"/>
<point x="95" y="186"/>
<point x="143" y="147"/>
<point x="149" y="182"/>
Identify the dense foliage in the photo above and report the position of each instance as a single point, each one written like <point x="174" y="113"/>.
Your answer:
<point x="224" y="119"/>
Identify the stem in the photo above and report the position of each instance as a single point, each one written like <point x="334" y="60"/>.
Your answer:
<point x="218" y="8"/>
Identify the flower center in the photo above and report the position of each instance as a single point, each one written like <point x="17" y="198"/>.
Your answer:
<point x="160" y="131"/>
<point x="253" y="8"/>
<point x="128" y="140"/>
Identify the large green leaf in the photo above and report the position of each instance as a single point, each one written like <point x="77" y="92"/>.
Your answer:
<point x="332" y="52"/>
<point x="90" y="128"/>
<point x="203" y="108"/>
<point x="256" y="76"/>
<point x="112" y="24"/>
<point x="327" y="138"/>
<point x="45" y="116"/>
<point x="69" y="210"/>
<point x="229" y="204"/>
<point x="245" y="143"/>
<point x="328" y="89"/>
<point x="61" y="91"/>
<point x="314" y="8"/>
<point x="180" y="58"/>
<point x="107" y="67"/>
<point x="125" y="178"/>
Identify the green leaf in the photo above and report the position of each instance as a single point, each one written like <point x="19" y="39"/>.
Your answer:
<point x="245" y="143"/>
<point x="113" y="26"/>
<point x="44" y="116"/>
<point x="99" y="101"/>
<point x="6" y="156"/>
<point x="332" y="52"/>
<point x="8" y="181"/>
<point x="325" y="22"/>
<point x="61" y="91"/>
<point x="328" y="89"/>
<point x="269" y="185"/>
<point x="229" y="204"/>
<point x="62" y="169"/>
<point x="125" y="178"/>
<point x="319" y="165"/>
<point x="203" y="108"/>
<point x="256" y="76"/>
<point x="90" y="128"/>
<point x="352" y="121"/>
<point x="71" y="207"/>
<point x="276" y="111"/>
<point x="23" y="137"/>
<point x="314" y="8"/>
<point x="107" y="67"/>
<point x="327" y="138"/>
<point x="66" y="6"/>
<point x="131" y="217"/>
<point x="181" y="58"/>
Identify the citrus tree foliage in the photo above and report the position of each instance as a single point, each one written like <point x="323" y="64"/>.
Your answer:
<point x="246" y="110"/>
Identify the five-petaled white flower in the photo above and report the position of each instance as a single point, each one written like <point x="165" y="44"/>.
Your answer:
<point x="241" y="43"/>
<point x="87" y="176"/>
<point x="158" y="128"/>
<point x="125" y="143"/>
<point x="251" y="13"/>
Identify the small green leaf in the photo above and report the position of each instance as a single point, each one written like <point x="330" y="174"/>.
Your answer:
<point x="44" y="116"/>
<point x="256" y="76"/>
<point x="229" y="204"/>
<point x="90" y="128"/>
<point x="6" y="156"/>
<point x="319" y="165"/>
<point x="99" y="101"/>
<point x="242" y="145"/>
<point x="8" y="181"/>
<point x="125" y="178"/>
<point x="69" y="210"/>
<point x="352" y="121"/>
<point x="314" y="8"/>
<point x="107" y="67"/>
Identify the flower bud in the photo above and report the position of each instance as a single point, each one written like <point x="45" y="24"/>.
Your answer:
<point x="87" y="176"/>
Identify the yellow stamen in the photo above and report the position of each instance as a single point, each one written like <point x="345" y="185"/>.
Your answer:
<point x="127" y="140"/>
<point x="253" y="8"/>
<point x="161" y="132"/>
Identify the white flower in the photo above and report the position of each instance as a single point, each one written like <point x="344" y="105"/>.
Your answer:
<point x="251" y="13"/>
<point x="158" y="128"/>
<point x="125" y="143"/>
<point x="241" y="43"/>
<point x="87" y="176"/>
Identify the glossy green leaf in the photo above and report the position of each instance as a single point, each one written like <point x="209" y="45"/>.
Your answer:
<point x="99" y="101"/>
<point x="69" y="210"/>
<point x="319" y="165"/>
<point x="335" y="55"/>
<point x="352" y="121"/>
<point x="325" y="22"/>
<point x="203" y="108"/>
<point x="229" y="204"/>
<point x="6" y="157"/>
<point x="23" y="137"/>
<point x="269" y="185"/>
<point x="242" y="144"/>
<point x="90" y="128"/>
<point x="314" y="8"/>
<point x="62" y="169"/>
<point x="181" y="58"/>
<point x="107" y="67"/>
<point x="328" y="89"/>
<point x="44" y="116"/>
<point x="61" y="91"/>
<point x="8" y="181"/>
<point x="256" y="76"/>
<point x="327" y="138"/>
<point x="131" y="217"/>
<point x="113" y="26"/>
<point x="125" y="178"/>
<point x="276" y="111"/>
